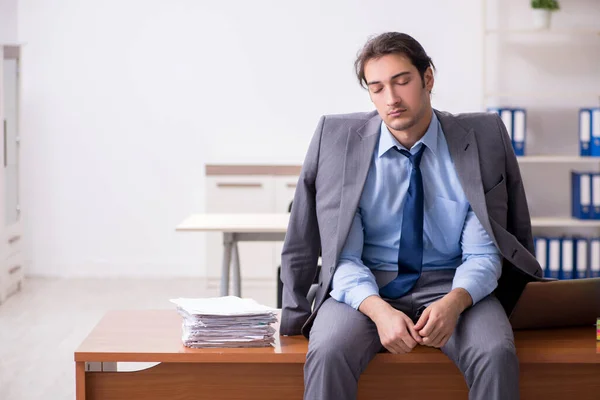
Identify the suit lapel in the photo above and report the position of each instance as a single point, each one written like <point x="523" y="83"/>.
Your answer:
<point x="465" y="156"/>
<point x="359" y="151"/>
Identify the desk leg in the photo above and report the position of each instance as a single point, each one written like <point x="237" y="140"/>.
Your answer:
<point x="80" y="380"/>
<point x="237" y="282"/>
<point x="227" y="248"/>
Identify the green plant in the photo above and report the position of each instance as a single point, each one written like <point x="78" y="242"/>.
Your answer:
<point x="550" y="5"/>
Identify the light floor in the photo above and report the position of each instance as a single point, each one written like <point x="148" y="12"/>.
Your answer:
<point x="41" y="326"/>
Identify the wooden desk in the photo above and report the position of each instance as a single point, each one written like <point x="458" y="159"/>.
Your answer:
<point x="237" y="228"/>
<point x="555" y="365"/>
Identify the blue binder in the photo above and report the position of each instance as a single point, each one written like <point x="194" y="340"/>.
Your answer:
<point x="581" y="197"/>
<point x="581" y="258"/>
<point x="595" y="131"/>
<point x="519" y="124"/>
<point x="567" y="258"/>
<point x="585" y="132"/>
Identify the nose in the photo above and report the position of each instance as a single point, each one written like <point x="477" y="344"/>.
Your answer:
<point x="392" y="98"/>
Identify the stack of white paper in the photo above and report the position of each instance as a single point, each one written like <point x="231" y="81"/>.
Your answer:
<point x="226" y="322"/>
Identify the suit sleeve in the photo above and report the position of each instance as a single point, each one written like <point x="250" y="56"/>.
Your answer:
<point x="302" y="244"/>
<point x="519" y="220"/>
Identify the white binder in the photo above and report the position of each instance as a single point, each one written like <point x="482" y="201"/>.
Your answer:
<point x="506" y="116"/>
<point x="582" y="258"/>
<point x="595" y="257"/>
<point x="554" y="257"/>
<point x="541" y="253"/>
<point x="585" y="195"/>
<point x="567" y="258"/>
<point x="585" y="131"/>
<point x="519" y="131"/>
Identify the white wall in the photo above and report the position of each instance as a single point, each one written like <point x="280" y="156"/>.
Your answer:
<point x="8" y="21"/>
<point x="126" y="101"/>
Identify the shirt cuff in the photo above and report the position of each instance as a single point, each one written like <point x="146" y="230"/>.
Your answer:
<point x="476" y="290"/>
<point x="355" y="296"/>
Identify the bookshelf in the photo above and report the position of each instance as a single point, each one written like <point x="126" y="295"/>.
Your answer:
<point x="551" y="74"/>
<point x="541" y="159"/>
<point x="566" y="222"/>
<point x="544" y="94"/>
<point x="548" y="32"/>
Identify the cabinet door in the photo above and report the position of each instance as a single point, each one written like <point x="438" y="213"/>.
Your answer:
<point x="285" y="187"/>
<point x="241" y="194"/>
<point x="11" y="265"/>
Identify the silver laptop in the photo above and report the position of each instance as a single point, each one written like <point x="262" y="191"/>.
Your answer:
<point x="561" y="303"/>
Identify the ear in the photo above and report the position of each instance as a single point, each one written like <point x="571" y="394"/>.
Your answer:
<point x="428" y="79"/>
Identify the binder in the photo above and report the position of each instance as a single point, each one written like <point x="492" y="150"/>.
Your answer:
<point x="519" y="127"/>
<point x="595" y="195"/>
<point x="506" y="115"/>
<point x="496" y="110"/>
<point x="594" y="258"/>
<point x="585" y="132"/>
<point x="515" y="121"/>
<point x="541" y="252"/>
<point x="595" y="127"/>
<point x="554" y="258"/>
<point x="567" y="256"/>
<point x="581" y="258"/>
<point x="581" y="198"/>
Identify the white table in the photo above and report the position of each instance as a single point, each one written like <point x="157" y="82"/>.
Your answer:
<point x="237" y="228"/>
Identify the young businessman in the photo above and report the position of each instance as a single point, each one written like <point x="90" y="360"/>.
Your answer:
<point x="424" y="230"/>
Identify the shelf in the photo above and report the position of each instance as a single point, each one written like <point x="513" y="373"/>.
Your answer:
<point x="544" y="95"/>
<point x="586" y="32"/>
<point x="557" y="159"/>
<point x="547" y="222"/>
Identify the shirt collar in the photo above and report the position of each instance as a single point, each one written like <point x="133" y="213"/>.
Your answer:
<point x="430" y="139"/>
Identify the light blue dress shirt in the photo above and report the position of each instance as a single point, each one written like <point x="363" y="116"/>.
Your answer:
<point x="453" y="237"/>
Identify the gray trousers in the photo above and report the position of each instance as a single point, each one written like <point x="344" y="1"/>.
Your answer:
<point x="344" y="340"/>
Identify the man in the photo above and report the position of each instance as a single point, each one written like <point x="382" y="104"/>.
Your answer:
<point x="424" y="230"/>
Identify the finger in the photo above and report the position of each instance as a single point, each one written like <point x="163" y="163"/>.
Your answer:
<point x="428" y="341"/>
<point x="429" y="327"/>
<point x="414" y="334"/>
<point x="423" y="320"/>
<point x="436" y="338"/>
<point x="394" y="348"/>
<point x="409" y="341"/>
<point x="432" y="339"/>
<point x="437" y="341"/>
<point x="391" y="349"/>
<point x="403" y="347"/>
<point x="445" y="340"/>
<point x="400" y="346"/>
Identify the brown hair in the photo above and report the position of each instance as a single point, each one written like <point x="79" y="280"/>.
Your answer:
<point x="392" y="43"/>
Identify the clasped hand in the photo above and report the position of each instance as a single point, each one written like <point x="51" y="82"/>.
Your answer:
<point x="399" y="335"/>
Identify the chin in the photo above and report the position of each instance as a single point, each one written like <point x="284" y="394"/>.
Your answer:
<point x="400" y="124"/>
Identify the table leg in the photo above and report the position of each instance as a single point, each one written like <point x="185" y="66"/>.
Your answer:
<point x="227" y="249"/>
<point x="80" y="380"/>
<point x="237" y="281"/>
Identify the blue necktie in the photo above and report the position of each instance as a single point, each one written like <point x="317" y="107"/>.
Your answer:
<point x="410" y="253"/>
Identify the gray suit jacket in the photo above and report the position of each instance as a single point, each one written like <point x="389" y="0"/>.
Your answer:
<point x="331" y="182"/>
